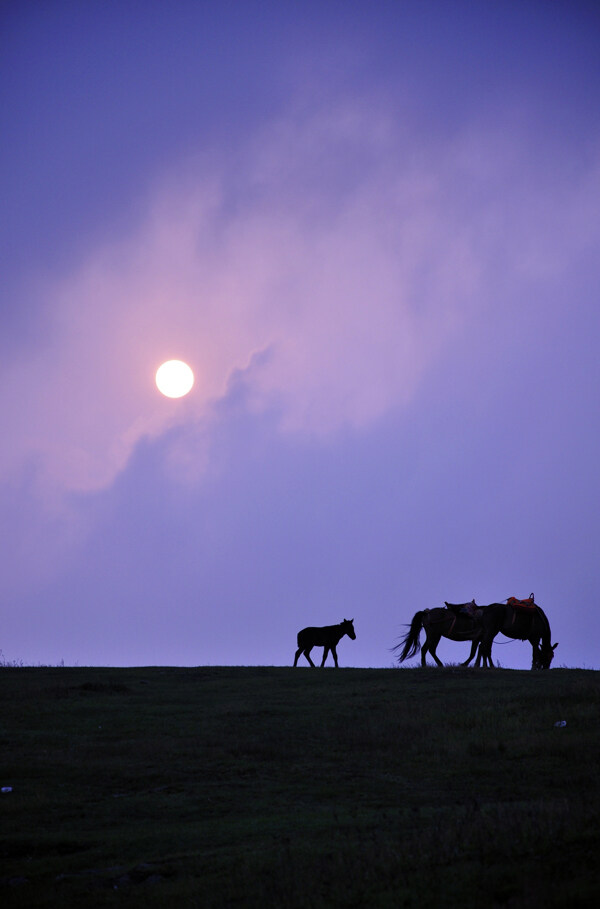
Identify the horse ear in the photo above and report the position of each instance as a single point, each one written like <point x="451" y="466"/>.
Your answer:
<point x="554" y="646"/>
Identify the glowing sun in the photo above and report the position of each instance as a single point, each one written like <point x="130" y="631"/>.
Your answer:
<point x="174" y="378"/>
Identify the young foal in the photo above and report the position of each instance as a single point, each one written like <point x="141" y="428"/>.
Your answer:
<point x="326" y="637"/>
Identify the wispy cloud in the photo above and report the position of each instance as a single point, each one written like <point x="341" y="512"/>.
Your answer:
<point x="347" y="247"/>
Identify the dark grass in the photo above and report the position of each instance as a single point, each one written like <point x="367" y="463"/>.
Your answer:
<point x="296" y="788"/>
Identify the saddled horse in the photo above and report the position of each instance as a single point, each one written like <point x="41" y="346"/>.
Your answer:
<point x="327" y="637"/>
<point x="457" y="622"/>
<point x="530" y="624"/>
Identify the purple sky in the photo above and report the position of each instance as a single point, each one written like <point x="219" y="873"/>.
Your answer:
<point x="373" y="230"/>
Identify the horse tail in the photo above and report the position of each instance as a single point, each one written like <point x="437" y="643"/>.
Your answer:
<point x="410" y="643"/>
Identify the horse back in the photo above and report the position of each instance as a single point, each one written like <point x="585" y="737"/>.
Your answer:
<point x="319" y="637"/>
<point x="527" y="623"/>
<point x="515" y="622"/>
<point x="437" y="615"/>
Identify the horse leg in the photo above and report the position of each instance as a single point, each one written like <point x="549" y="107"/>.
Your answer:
<point x="474" y="646"/>
<point x="307" y="651"/>
<point x="481" y="655"/>
<point x="334" y="652"/>
<point x="431" y="644"/>
<point x="485" y="652"/>
<point x="488" y="653"/>
<point x="435" y="656"/>
<point x="298" y="652"/>
<point x="325" y="652"/>
<point x="426" y="646"/>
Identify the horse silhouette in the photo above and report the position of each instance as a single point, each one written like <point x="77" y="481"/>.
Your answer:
<point x="457" y="622"/>
<point x="521" y="624"/>
<point x="327" y="637"/>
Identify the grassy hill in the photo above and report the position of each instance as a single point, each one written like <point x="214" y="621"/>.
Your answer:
<point x="296" y="788"/>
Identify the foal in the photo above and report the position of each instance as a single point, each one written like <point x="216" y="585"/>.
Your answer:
<point x="326" y="637"/>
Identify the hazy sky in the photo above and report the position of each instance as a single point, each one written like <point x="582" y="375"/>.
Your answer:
<point x="373" y="230"/>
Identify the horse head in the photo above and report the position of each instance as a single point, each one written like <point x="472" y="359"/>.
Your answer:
<point x="348" y="628"/>
<point x="543" y="656"/>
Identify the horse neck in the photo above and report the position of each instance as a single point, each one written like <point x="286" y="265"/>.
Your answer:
<point x="546" y="635"/>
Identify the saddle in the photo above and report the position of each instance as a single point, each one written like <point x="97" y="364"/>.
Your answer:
<point x="526" y="605"/>
<point x="470" y="609"/>
<point x="470" y="612"/>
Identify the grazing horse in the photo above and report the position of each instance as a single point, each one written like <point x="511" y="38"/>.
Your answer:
<point x="522" y="624"/>
<point x="458" y="622"/>
<point x="326" y="637"/>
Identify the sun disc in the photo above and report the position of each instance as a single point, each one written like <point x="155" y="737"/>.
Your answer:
<point x="174" y="379"/>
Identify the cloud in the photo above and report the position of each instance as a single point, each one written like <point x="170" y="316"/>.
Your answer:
<point x="347" y="248"/>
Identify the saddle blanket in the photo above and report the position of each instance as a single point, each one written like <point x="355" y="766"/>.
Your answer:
<point x="529" y="603"/>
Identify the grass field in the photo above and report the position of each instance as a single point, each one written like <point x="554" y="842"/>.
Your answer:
<point x="296" y="788"/>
